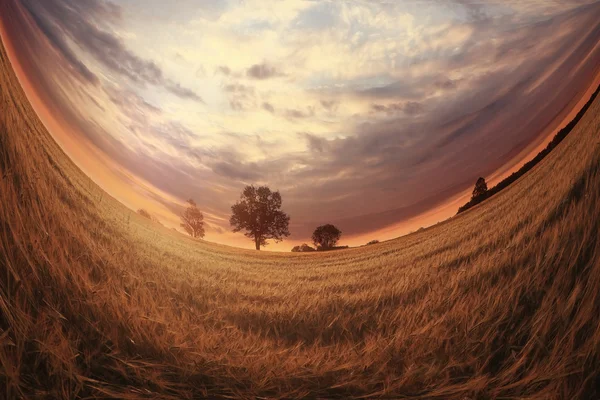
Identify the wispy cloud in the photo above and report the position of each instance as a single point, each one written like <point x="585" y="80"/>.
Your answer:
<point x="87" y="25"/>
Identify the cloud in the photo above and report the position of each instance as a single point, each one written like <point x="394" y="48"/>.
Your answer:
<point x="262" y="71"/>
<point x="446" y="84"/>
<point x="413" y="108"/>
<point x="236" y="105"/>
<point x="87" y="24"/>
<point x="316" y="144"/>
<point x="268" y="107"/>
<point x="387" y="109"/>
<point x="241" y="96"/>
<point x="182" y="92"/>
<point x="299" y="114"/>
<point x="200" y="72"/>
<point x="225" y="70"/>
<point x="409" y="90"/>
<point x="408" y="108"/>
<point x="131" y="103"/>
<point x="233" y="169"/>
<point x="330" y="105"/>
<point x="318" y="17"/>
<point x="55" y="36"/>
<point x="239" y="88"/>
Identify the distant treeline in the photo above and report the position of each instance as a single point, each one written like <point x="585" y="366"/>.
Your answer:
<point x="530" y="164"/>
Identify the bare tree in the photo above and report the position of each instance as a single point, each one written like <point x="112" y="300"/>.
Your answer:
<point x="192" y="220"/>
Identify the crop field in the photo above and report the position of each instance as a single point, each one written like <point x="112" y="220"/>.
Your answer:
<point x="502" y="301"/>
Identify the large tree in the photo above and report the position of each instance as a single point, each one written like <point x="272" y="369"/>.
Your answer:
<point x="325" y="237"/>
<point x="192" y="220"/>
<point x="258" y="213"/>
<point x="480" y="189"/>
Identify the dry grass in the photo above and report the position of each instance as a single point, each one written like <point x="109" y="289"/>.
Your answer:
<point x="502" y="301"/>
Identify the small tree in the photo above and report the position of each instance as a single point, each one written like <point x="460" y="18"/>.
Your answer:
<point x="326" y="237"/>
<point x="480" y="189"/>
<point x="373" y="242"/>
<point x="192" y="220"/>
<point x="304" y="248"/>
<point x="259" y="214"/>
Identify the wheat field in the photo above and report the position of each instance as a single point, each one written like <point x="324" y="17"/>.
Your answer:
<point x="502" y="301"/>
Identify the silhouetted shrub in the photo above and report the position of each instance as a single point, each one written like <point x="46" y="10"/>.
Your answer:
<point x="304" y="248"/>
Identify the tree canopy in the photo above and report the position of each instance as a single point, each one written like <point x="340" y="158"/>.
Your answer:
<point x="325" y="237"/>
<point x="192" y="220"/>
<point x="258" y="213"/>
<point x="480" y="189"/>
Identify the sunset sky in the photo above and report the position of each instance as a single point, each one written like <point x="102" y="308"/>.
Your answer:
<point x="377" y="116"/>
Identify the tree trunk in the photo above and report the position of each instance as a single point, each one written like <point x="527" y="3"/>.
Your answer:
<point x="257" y="243"/>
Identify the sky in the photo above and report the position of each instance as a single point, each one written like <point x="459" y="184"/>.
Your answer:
<point x="377" y="116"/>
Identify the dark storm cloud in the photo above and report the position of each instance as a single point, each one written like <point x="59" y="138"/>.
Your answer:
<point x="87" y="23"/>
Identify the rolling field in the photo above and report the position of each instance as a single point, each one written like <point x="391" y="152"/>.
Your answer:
<point x="502" y="301"/>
